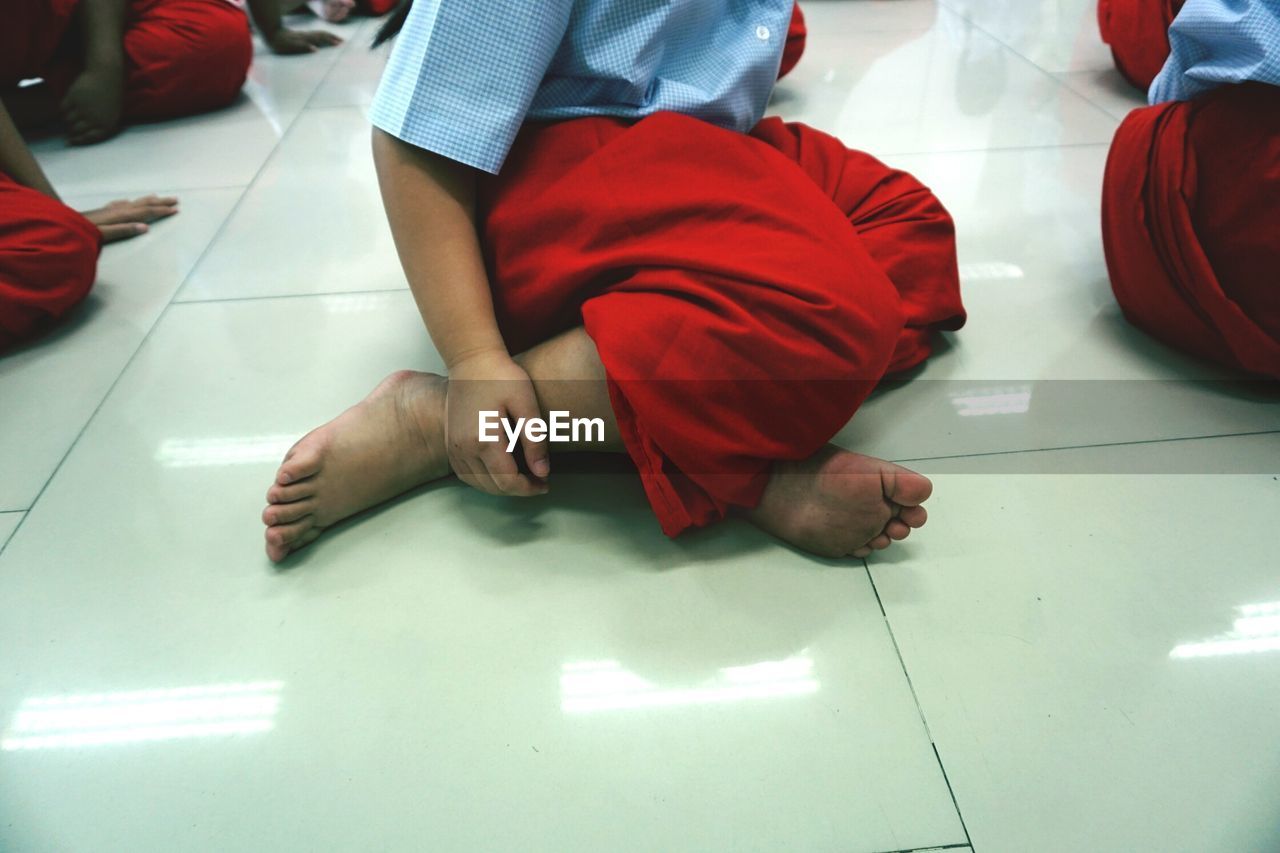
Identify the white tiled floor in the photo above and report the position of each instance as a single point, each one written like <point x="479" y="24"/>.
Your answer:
<point x="1081" y="651"/>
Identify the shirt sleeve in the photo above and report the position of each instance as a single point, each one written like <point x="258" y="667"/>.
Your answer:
<point x="1213" y="42"/>
<point x="463" y="73"/>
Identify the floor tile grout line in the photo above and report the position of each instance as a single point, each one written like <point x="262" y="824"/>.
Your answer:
<point x="213" y="239"/>
<point x="348" y="46"/>
<point x="916" y="698"/>
<point x="318" y="294"/>
<point x="132" y="192"/>
<point x="893" y="639"/>
<point x="1064" y="78"/>
<point x="1140" y="441"/>
<point x="5" y="543"/>
<point x="950" y="790"/>
<point x="946" y="4"/>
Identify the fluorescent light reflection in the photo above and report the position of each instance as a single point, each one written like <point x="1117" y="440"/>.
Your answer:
<point x="1256" y="629"/>
<point x="356" y="303"/>
<point x="95" y="719"/>
<point x="990" y="271"/>
<point x="243" y="450"/>
<point x="587" y="686"/>
<point x="993" y="401"/>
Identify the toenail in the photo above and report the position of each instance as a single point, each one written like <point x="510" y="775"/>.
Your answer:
<point x="285" y="478"/>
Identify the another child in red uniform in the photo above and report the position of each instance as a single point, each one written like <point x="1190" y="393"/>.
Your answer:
<point x="104" y="62"/>
<point x="49" y="252"/>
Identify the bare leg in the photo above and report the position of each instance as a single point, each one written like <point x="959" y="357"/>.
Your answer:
<point x="836" y="503"/>
<point x="568" y="376"/>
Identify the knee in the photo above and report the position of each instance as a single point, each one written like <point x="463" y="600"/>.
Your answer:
<point x="48" y="262"/>
<point x="188" y="63"/>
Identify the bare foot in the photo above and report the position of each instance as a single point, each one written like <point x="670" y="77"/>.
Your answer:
<point x="840" y="504"/>
<point x="388" y="443"/>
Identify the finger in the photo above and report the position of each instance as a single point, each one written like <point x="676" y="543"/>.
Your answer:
<point x="78" y="127"/>
<point x="502" y="468"/>
<point x="112" y="215"/>
<point x="475" y="475"/>
<point x="536" y="453"/>
<point x="153" y="212"/>
<point x="123" y="231"/>
<point x="464" y="472"/>
<point x="92" y="136"/>
<point x="166" y="201"/>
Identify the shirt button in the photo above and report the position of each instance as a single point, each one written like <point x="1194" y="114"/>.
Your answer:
<point x="762" y="33"/>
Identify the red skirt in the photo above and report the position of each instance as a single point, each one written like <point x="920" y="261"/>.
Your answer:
<point x="1138" y="33"/>
<point x="1191" y="224"/>
<point x="797" y="33"/>
<point x="745" y="293"/>
<point x="48" y="260"/>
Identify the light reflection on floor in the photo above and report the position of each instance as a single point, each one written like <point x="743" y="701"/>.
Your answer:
<point x="96" y="719"/>
<point x="605" y="686"/>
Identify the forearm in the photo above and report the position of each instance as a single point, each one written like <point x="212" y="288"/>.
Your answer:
<point x="430" y="203"/>
<point x="16" y="160"/>
<point x="102" y="30"/>
<point x="266" y="17"/>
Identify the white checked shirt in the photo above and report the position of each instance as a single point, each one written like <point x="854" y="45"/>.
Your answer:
<point x="466" y="74"/>
<point x="1213" y="42"/>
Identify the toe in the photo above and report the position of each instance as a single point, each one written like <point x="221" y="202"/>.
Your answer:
<point x="864" y="551"/>
<point x="913" y="516"/>
<point x="307" y="538"/>
<point x="880" y="542"/>
<point x="285" y="535"/>
<point x="279" y="494"/>
<point x="287" y="513"/>
<point x="303" y="461"/>
<point x="909" y="488"/>
<point x="897" y="530"/>
<point x="276" y="553"/>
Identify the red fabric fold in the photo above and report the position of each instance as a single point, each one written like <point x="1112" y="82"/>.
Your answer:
<point x="48" y="260"/>
<point x="185" y="57"/>
<point x="1138" y="33"/>
<point x="1191" y="224"/>
<point x="745" y="293"/>
<point x="797" y="33"/>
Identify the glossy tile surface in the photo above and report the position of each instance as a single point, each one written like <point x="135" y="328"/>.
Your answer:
<point x="448" y="660"/>
<point x="1106" y="88"/>
<point x="948" y="87"/>
<point x="1078" y="653"/>
<point x="1098" y="657"/>
<point x="1057" y="35"/>
<point x="355" y="75"/>
<point x="312" y="222"/>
